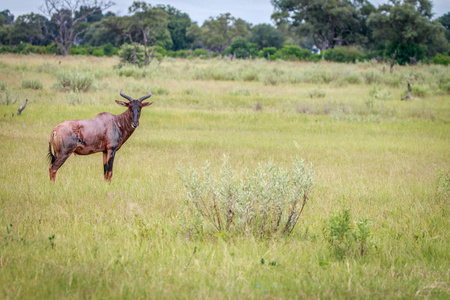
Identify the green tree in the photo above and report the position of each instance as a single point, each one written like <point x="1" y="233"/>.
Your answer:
<point x="64" y="14"/>
<point x="240" y="48"/>
<point x="147" y="27"/>
<point x="32" y="28"/>
<point x="445" y="21"/>
<point x="194" y="34"/>
<point x="265" y="35"/>
<point x="178" y="24"/>
<point x="329" y="23"/>
<point x="6" y="17"/>
<point x="405" y="26"/>
<point x="218" y="33"/>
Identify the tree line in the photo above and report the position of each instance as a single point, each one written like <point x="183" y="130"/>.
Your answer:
<point x="341" y="30"/>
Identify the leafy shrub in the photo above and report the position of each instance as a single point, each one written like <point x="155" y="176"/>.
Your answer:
<point x="51" y="49"/>
<point x="441" y="59"/>
<point x="240" y="48"/>
<point x="344" y="54"/>
<point x="409" y="53"/>
<point x="419" y="90"/>
<point x="46" y="68"/>
<point x="8" y="97"/>
<point x="201" y="53"/>
<point x="371" y="77"/>
<point x="377" y="93"/>
<point x="74" y="81"/>
<point x="240" y="92"/>
<point x="264" y="202"/>
<point x="25" y="48"/>
<point x="352" y="79"/>
<point x="316" y="93"/>
<point x="315" y="57"/>
<point x="34" y="84"/>
<point x="78" y="50"/>
<point x="265" y="52"/>
<point x="98" y="52"/>
<point x="3" y="86"/>
<point x="160" y="91"/>
<point x="444" y="84"/>
<point x="293" y="53"/>
<point x="181" y="54"/>
<point x="343" y="237"/>
<point x="127" y="53"/>
<point x="110" y="50"/>
<point x="73" y="98"/>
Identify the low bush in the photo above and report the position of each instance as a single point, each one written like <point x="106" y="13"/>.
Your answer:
<point x="34" y="84"/>
<point x="130" y="55"/>
<point x="267" y="52"/>
<point x="316" y="93"/>
<point x="110" y="50"/>
<point x="441" y="59"/>
<point x="201" y="53"/>
<point x="346" y="239"/>
<point x="98" y="52"/>
<point x="344" y="54"/>
<point x="78" y="50"/>
<point x="3" y="86"/>
<point x="74" y="81"/>
<point x="264" y="202"/>
<point x="293" y="53"/>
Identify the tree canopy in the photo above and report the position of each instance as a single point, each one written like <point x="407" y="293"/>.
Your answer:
<point x="405" y="27"/>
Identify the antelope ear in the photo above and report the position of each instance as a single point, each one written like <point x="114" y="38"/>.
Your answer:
<point x="121" y="103"/>
<point x="144" y="104"/>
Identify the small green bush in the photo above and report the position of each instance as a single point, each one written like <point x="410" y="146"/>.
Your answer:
<point x="441" y="59"/>
<point x="46" y="68"/>
<point x="34" y="84"/>
<point x="160" y="91"/>
<point x="98" y="52"/>
<point x="181" y="54"/>
<point x="377" y="93"/>
<point x="127" y="53"/>
<point x="201" y="53"/>
<point x="264" y="202"/>
<point x="343" y="237"/>
<point x="316" y="93"/>
<point x="8" y="97"/>
<point x="266" y="52"/>
<point x="110" y="50"/>
<point x="293" y="53"/>
<point x="78" y="50"/>
<point x="344" y="54"/>
<point x="420" y="90"/>
<point x="74" y="81"/>
<point x="3" y="86"/>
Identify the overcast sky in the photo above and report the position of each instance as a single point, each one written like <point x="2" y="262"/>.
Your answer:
<point x="252" y="11"/>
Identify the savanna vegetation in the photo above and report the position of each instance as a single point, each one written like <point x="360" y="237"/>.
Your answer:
<point x="404" y="32"/>
<point x="201" y="204"/>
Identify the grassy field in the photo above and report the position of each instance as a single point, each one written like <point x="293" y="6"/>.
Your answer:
<point x="371" y="152"/>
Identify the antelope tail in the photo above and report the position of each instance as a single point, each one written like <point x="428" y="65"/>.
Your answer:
<point x="50" y="156"/>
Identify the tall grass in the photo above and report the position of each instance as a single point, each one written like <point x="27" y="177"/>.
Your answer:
<point x="82" y="238"/>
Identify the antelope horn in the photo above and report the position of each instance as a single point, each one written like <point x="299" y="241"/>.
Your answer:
<point x="145" y="97"/>
<point x="125" y="96"/>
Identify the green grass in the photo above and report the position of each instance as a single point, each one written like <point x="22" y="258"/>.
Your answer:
<point x="82" y="238"/>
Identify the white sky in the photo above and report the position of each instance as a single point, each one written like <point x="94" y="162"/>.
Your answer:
<point x="252" y="11"/>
